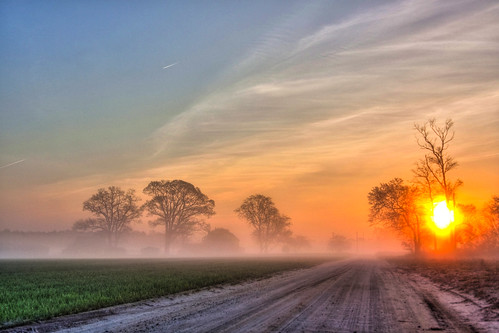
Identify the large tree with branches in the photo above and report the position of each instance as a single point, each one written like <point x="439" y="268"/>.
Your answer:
<point x="114" y="211"/>
<point x="178" y="206"/>
<point x="269" y="225"/>
<point x="394" y="205"/>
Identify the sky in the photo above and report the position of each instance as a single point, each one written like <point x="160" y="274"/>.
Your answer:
<point x="310" y="103"/>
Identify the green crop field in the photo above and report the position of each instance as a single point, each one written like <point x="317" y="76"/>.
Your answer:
<point x="41" y="289"/>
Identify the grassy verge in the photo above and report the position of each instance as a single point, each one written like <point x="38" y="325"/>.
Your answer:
<point x="476" y="277"/>
<point x="41" y="289"/>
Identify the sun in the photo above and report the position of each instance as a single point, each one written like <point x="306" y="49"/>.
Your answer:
<point x="442" y="216"/>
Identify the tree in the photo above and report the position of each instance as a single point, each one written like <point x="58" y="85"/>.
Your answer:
<point x="493" y="208"/>
<point x="425" y="179"/>
<point x="221" y="240"/>
<point x="268" y="224"/>
<point x="295" y="243"/>
<point x="468" y="226"/>
<point x="114" y="211"/>
<point x="437" y="162"/>
<point x="491" y="226"/>
<point x="339" y="243"/>
<point x="178" y="205"/>
<point x="394" y="205"/>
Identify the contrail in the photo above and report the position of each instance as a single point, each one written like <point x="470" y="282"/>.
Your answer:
<point x="8" y="165"/>
<point x="170" y="65"/>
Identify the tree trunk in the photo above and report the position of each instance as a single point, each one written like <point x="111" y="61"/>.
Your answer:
<point x="116" y="239"/>
<point x="168" y="241"/>
<point x="417" y="244"/>
<point x="109" y="239"/>
<point x="417" y="248"/>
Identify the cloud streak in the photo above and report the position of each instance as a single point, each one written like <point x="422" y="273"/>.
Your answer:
<point x="384" y="68"/>
<point x="11" y="164"/>
<point x="171" y="65"/>
<point x="314" y="112"/>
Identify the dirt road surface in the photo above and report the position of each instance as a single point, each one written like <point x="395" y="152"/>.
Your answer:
<point x="362" y="295"/>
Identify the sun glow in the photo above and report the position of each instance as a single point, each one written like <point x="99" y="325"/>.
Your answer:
<point x="442" y="216"/>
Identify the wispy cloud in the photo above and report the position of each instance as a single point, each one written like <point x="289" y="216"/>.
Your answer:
<point x="313" y="112"/>
<point x="11" y="164"/>
<point x="375" y="71"/>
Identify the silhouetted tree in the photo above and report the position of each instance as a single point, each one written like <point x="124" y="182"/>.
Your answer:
<point x="204" y="227"/>
<point x="268" y="224"/>
<point x="491" y="226"/>
<point x="178" y="205"/>
<point x="295" y="243"/>
<point x="339" y="243"/>
<point x="468" y="226"/>
<point x="437" y="163"/>
<point x="493" y="208"/>
<point x="114" y="210"/>
<point x="222" y="241"/>
<point x="425" y="180"/>
<point x="394" y="205"/>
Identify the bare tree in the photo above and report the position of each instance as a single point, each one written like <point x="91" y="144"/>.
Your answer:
<point x="114" y="210"/>
<point x="178" y="205"/>
<point x="268" y="224"/>
<point x="424" y="179"/>
<point x="437" y="162"/>
<point x="394" y="205"/>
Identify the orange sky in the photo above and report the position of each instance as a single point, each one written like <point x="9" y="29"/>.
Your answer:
<point x="311" y="104"/>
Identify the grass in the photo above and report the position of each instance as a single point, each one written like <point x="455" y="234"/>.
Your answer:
<point x="40" y="289"/>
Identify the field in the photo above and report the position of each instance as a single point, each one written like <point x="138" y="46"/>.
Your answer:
<point x="349" y="295"/>
<point x="476" y="277"/>
<point x="40" y="289"/>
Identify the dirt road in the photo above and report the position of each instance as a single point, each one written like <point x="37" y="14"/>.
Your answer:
<point x="342" y="296"/>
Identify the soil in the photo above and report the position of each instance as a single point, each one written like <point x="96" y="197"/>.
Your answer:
<point x="354" y="295"/>
<point x="477" y="277"/>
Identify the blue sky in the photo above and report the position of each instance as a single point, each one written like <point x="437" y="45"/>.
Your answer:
<point x="312" y="103"/>
<point x="77" y="68"/>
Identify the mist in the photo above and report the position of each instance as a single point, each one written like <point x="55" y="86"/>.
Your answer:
<point x="138" y="244"/>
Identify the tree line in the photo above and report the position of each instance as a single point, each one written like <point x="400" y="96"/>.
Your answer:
<point x="408" y="207"/>
<point x="180" y="208"/>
